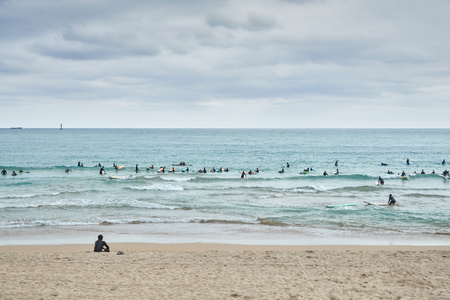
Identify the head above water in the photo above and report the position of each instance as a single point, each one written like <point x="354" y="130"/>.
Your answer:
<point x="100" y="237"/>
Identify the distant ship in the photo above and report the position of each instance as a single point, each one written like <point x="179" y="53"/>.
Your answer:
<point x="16" y="128"/>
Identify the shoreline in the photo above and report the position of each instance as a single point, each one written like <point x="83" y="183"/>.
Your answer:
<point x="210" y="234"/>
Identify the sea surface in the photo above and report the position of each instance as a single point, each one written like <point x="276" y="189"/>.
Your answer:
<point x="46" y="205"/>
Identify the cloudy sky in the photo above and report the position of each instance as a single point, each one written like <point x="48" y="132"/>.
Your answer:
<point x="225" y="64"/>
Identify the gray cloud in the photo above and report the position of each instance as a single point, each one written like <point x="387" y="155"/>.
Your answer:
<point x="233" y="58"/>
<point x="252" y="21"/>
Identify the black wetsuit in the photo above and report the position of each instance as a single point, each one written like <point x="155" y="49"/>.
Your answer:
<point x="99" y="246"/>
<point x="391" y="200"/>
<point x="4" y="172"/>
<point x="381" y="181"/>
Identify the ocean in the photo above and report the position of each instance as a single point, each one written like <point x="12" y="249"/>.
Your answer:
<point x="46" y="205"/>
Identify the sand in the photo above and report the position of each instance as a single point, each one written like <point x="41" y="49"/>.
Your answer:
<point x="216" y="271"/>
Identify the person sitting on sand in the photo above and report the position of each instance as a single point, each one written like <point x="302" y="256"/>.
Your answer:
<point x="101" y="245"/>
<point x="380" y="180"/>
<point x="391" y="200"/>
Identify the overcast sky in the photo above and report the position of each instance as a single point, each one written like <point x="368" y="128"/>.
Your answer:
<point x="228" y="64"/>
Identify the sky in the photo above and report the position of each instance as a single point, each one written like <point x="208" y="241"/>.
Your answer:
<point x="225" y="64"/>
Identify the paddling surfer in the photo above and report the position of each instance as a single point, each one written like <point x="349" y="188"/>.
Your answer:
<point x="380" y="180"/>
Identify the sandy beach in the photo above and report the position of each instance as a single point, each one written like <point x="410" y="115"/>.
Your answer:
<point x="224" y="271"/>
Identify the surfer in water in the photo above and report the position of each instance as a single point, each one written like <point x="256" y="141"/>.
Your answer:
<point x="243" y="174"/>
<point x="390" y="172"/>
<point x="403" y="174"/>
<point x="137" y="168"/>
<point x="380" y="180"/>
<point x="4" y="171"/>
<point x="391" y="200"/>
<point x="336" y="164"/>
<point x="287" y="165"/>
<point x="325" y="173"/>
<point x="102" y="171"/>
<point x="423" y="172"/>
<point x="407" y="161"/>
<point x="443" y="162"/>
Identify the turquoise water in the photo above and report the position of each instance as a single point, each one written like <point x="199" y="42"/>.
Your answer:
<point x="48" y="204"/>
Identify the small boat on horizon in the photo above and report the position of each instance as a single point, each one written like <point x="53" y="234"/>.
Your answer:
<point x="16" y="128"/>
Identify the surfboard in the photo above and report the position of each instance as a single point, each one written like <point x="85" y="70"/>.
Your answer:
<point x="405" y="177"/>
<point x="150" y="168"/>
<point x="121" y="167"/>
<point x="341" y="205"/>
<point x="119" y="177"/>
<point x="172" y="170"/>
<point x="374" y="203"/>
<point x="445" y="177"/>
